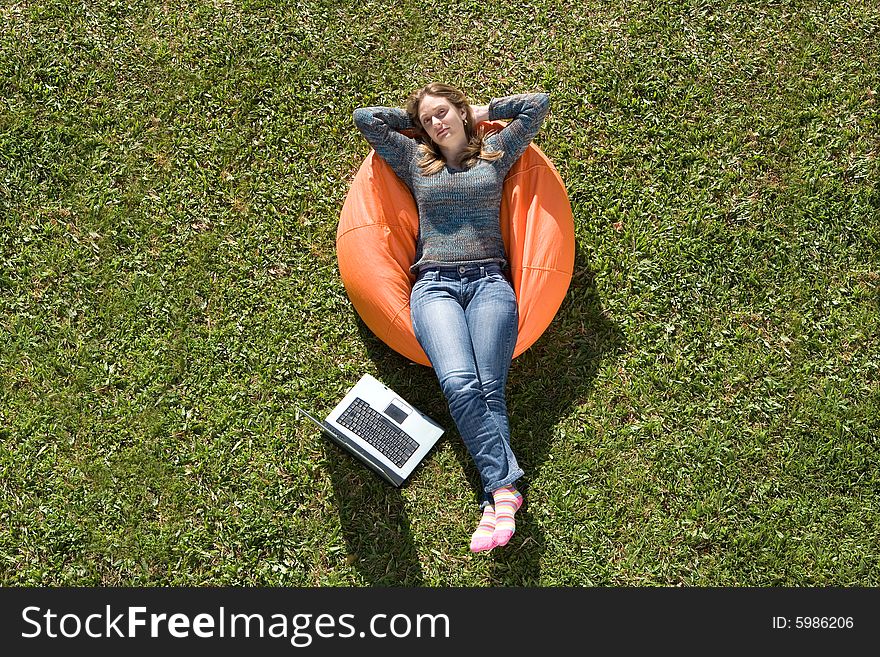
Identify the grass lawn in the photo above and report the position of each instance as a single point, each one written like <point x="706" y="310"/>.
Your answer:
<point x="703" y="411"/>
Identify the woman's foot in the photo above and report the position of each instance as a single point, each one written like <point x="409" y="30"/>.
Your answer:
<point x="508" y="500"/>
<point x="482" y="538"/>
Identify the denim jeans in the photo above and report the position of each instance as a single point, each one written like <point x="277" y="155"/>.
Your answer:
<point x="465" y="317"/>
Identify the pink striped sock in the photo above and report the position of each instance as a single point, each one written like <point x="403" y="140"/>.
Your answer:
<point x="482" y="538"/>
<point x="508" y="500"/>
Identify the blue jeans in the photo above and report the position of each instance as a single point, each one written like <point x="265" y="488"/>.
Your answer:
<point x="465" y="317"/>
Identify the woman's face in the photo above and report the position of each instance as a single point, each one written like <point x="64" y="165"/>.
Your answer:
<point x="443" y="123"/>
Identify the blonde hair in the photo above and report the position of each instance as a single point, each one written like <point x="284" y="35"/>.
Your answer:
<point x="432" y="159"/>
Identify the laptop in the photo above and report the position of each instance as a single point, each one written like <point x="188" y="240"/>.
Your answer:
<point x="378" y="427"/>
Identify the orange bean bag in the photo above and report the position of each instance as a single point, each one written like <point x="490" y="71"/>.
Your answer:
<point x="376" y="245"/>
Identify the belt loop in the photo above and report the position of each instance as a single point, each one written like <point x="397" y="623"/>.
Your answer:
<point x="482" y="271"/>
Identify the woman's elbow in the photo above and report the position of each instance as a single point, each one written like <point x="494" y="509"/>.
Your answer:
<point x="361" y="116"/>
<point x="542" y="100"/>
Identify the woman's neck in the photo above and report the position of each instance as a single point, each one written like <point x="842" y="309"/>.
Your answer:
<point x="453" y="159"/>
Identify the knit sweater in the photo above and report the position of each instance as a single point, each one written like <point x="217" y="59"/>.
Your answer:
<point x="459" y="210"/>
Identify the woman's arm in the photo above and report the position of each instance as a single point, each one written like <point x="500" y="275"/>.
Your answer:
<point x="381" y="127"/>
<point x="526" y="113"/>
<point x="481" y="113"/>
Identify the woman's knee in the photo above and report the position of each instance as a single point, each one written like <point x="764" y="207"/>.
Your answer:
<point x="461" y="388"/>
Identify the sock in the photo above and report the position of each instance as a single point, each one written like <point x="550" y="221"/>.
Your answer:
<point x="482" y="538"/>
<point x="508" y="500"/>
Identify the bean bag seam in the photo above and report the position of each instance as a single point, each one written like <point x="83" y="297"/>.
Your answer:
<point x="519" y="173"/>
<point x="354" y="228"/>
<point x="561" y="271"/>
<point x="396" y="315"/>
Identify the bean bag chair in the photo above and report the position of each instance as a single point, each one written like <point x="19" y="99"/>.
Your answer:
<point x="376" y="245"/>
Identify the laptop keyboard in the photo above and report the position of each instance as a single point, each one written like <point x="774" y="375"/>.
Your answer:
<point x="379" y="431"/>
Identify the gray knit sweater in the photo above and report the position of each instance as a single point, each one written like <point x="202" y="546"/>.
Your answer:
<point x="458" y="209"/>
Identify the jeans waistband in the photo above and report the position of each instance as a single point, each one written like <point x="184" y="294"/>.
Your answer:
<point x="472" y="271"/>
<point x="465" y="269"/>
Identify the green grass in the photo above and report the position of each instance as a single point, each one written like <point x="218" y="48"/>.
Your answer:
<point x="703" y="411"/>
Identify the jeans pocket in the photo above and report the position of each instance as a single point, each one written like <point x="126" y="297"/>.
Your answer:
<point x="421" y="283"/>
<point x="498" y="276"/>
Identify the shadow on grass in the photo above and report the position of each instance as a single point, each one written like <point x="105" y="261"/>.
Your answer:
<point x="374" y="524"/>
<point x="554" y="375"/>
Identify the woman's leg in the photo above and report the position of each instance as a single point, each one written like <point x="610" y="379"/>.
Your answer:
<point x="438" y="307"/>
<point x="492" y="318"/>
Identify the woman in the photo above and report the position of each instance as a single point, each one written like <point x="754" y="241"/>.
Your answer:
<point x="464" y="311"/>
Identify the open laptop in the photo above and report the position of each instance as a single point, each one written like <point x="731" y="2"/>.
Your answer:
<point x="378" y="427"/>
